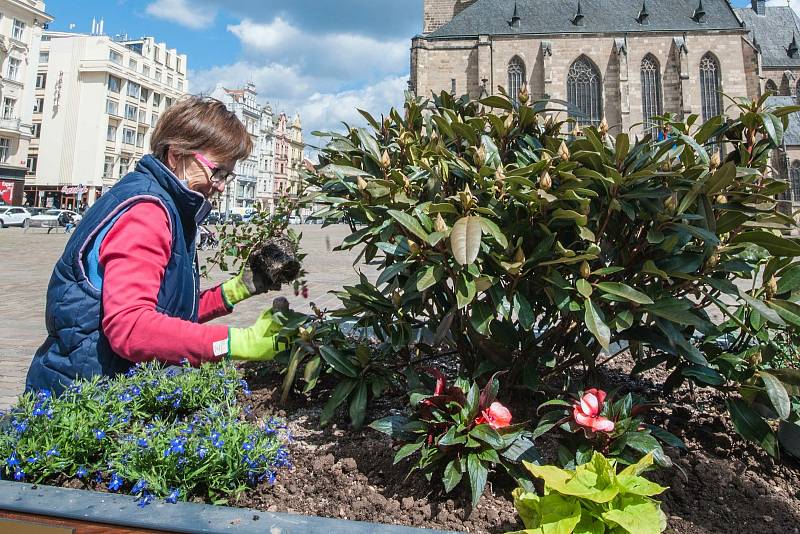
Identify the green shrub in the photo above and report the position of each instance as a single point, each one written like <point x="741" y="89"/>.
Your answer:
<point x="592" y="498"/>
<point x="525" y="250"/>
<point x="175" y="434"/>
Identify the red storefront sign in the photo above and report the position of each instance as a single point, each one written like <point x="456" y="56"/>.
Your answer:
<point x="6" y="191"/>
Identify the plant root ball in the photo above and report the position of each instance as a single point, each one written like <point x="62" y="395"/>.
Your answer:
<point x="276" y="260"/>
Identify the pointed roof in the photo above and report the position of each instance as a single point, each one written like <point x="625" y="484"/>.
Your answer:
<point x="545" y="17"/>
<point x="773" y="33"/>
<point x="644" y="16"/>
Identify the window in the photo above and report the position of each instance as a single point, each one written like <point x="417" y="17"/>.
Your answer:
<point x="111" y="133"/>
<point x="709" y="87"/>
<point x="179" y="65"/>
<point x="132" y="64"/>
<point x="134" y="89"/>
<point x="153" y="119"/>
<point x="158" y="75"/>
<point x="115" y="56"/>
<point x="516" y="78"/>
<point x="8" y="107"/>
<point x="771" y="87"/>
<point x="651" y="92"/>
<point x="168" y="61"/>
<point x="41" y="80"/>
<point x="169" y="79"/>
<point x="44" y="57"/>
<point x="112" y="107"/>
<point x="114" y="84"/>
<point x="142" y="116"/>
<point x="38" y="105"/>
<point x="584" y="94"/>
<point x="36" y="130"/>
<point x="128" y="136"/>
<point x="5" y="149"/>
<point x="145" y="94"/>
<point x="794" y="173"/>
<point x="140" y="139"/>
<point x="13" y="68"/>
<point x="797" y="89"/>
<point x="19" y="30"/>
<point x="167" y="102"/>
<point x="452" y="86"/>
<point x="146" y="70"/>
<point x="33" y="162"/>
<point x="108" y="167"/>
<point x="180" y="85"/>
<point x="156" y="99"/>
<point x="124" y="163"/>
<point x="130" y="112"/>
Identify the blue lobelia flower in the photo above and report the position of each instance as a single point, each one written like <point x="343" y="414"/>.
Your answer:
<point x="172" y="498"/>
<point x="142" y="442"/>
<point x="139" y="487"/>
<point x="245" y="387"/>
<point x="81" y="472"/>
<point x="20" y="426"/>
<point x="99" y="434"/>
<point x="52" y="452"/>
<point x="136" y="391"/>
<point x="13" y="461"/>
<point x="247" y="446"/>
<point x="19" y="474"/>
<point x="201" y="452"/>
<point x="116" y="482"/>
<point x="145" y="499"/>
<point x="44" y="394"/>
<point x="33" y="459"/>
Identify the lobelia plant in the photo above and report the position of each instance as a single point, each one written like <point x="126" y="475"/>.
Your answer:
<point x="174" y="434"/>
<point x="592" y="498"/>
<point x="460" y="430"/>
<point x="522" y="249"/>
<point x="595" y="421"/>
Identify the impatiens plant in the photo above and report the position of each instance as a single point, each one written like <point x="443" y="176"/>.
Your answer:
<point x="592" y="498"/>
<point x="519" y="248"/>
<point x="174" y="434"/>
<point x="459" y="430"/>
<point x="616" y="428"/>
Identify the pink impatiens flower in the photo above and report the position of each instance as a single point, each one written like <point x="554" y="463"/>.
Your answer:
<point x="496" y="416"/>
<point x="587" y="411"/>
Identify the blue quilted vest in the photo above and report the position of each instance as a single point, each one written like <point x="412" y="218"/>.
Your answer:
<point x="76" y="346"/>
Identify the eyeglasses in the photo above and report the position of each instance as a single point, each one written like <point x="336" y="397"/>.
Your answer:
<point x="218" y="174"/>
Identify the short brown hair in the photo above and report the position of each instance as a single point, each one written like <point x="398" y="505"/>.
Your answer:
<point x="200" y="124"/>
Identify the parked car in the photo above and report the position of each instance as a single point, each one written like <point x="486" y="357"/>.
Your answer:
<point x="294" y="219"/>
<point x="233" y="218"/>
<point x="213" y="218"/>
<point x="14" y="216"/>
<point x="49" y="219"/>
<point x="36" y="211"/>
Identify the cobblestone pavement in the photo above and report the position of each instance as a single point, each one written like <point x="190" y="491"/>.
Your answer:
<point x="28" y="259"/>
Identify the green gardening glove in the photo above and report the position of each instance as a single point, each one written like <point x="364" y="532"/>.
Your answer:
<point x="246" y="284"/>
<point x="260" y="342"/>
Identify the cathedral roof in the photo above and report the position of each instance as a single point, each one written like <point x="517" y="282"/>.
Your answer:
<point x="792" y="134"/>
<point x="773" y="33"/>
<point x="542" y="17"/>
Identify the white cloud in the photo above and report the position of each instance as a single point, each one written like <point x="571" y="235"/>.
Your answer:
<point x="195" y="17"/>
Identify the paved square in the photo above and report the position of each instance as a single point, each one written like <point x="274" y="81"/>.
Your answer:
<point x="28" y="259"/>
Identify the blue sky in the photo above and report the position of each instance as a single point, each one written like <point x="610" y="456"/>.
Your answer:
<point x="322" y="58"/>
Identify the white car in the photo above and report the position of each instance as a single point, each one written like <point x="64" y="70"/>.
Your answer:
<point x="49" y="219"/>
<point x="14" y="216"/>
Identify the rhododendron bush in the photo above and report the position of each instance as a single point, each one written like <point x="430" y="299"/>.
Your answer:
<point x="520" y="249"/>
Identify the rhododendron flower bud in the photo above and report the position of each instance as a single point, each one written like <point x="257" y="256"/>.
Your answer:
<point x="496" y="416"/>
<point x="587" y="411"/>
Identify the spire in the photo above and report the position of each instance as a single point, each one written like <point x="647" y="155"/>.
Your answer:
<point x="699" y="14"/>
<point x="577" y="20"/>
<point x="644" y="16"/>
<point x="515" y="20"/>
<point x="793" y="48"/>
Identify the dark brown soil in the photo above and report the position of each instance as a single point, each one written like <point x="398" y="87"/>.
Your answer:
<point x="721" y="485"/>
<point x="276" y="261"/>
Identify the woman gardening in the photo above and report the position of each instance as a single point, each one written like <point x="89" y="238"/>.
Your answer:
<point x="126" y="289"/>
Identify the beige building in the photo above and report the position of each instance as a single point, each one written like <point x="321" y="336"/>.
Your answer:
<point x="97" y="100"/>
<point x="289" y="147"/>
<point x="21" y="25"/>
<point x="622" y="60"/>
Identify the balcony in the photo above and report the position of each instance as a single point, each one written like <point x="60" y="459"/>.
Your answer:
<point x="11" y="124"/>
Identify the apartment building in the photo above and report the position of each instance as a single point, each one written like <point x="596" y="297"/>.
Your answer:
<point x="254" y="181"/>
<point x="289" y="148"/>
<point x="21" y="27"/>
<point x="96" y="102"/>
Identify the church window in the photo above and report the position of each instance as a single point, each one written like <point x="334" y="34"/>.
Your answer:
<point x="651" y="92"/>
<point x="771" y="86"/>
<point x="584" y="94"/>
<point x="795" y="178"/>
<point x="516" y="78"/>
<point x="710" y="87"/>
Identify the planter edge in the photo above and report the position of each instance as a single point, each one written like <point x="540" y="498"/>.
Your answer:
<point x="122" y="510"/>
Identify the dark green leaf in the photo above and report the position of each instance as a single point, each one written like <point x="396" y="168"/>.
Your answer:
<point x="339" y="362"/>
<point x="407" y="450"/>
<point x="596" y="325"/>
<point x="777" y="395"/>
<point x="452" y="475"/>
<point x="477" y="477"/>
<point x="779" y="246"/>
<point x="358" y="405"/>
<point x="339" y="395"/>
<point x="488" y="435"/>
<point x="751" y="426"/>
<point x="410" y="223"/>
<point x="624" y="291"/>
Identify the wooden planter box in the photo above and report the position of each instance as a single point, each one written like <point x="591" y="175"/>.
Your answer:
<point x="36" y="509"/>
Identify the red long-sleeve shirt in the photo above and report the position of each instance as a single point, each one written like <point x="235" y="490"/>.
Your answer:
<point x="134" y="255"/>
